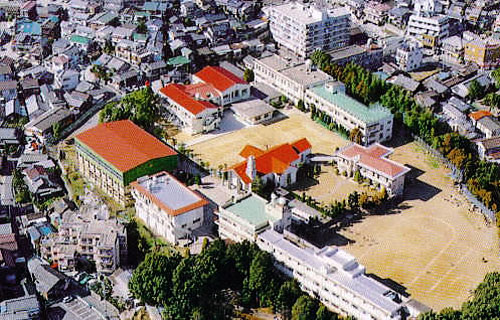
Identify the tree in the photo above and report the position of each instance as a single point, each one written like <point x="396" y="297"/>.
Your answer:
<point x="288" y="293"/>
<point x="356" y="136"/>
<point x="248" y="75"/>
<point x="476" y="90"/>
<point x="257" y="185"/>
<point x="142" y="28"/>
<point x="324" y="314"/>
<point x="56" y="130"/>
<point x="357" y="176"/>
<point x="141" y="107"/>
<point x="151" y="281"/>
<point x="305" y="308"/>
<point x="353" y="201"/>
<point x="260" y="278"/>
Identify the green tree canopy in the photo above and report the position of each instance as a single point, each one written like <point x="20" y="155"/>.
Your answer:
<point x="305" y="308"/>
<point x="248" y="75"/>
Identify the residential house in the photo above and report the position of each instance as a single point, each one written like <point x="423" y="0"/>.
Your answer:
<point x="371" y="162"/>
<point x="485" y="53"/>
<point x="6" y="73"/>
<point x="41" y="183"/>
<point x="8" y="90"/>
<point x="26" y="307"/>
<point x="489" y="149"/>
<point x="168" y="207"/>
<point x="277" y="166"/>
<point x="452" y="49"/>
<point x="66" y="80"/>
<point x="219" y="33"/>
<point x="81" y="42"/>
<point x="78" y="102"/>
<point x="41" y="126"/>
<point x="9" y="137"/>
<point x="409" y="56"/>
<point x="376" y="12"/>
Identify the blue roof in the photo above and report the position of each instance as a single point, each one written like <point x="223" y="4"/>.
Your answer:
<point x="30" y="27"/>
<point x="54" y="19"/>
<point x="381" y="75"/>
<point x="150" y="6"/>
<point x="46" y="230"/>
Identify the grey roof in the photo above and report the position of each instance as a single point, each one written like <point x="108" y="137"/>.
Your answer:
<point x="46" y="120"/>
<point x="169" y="191"/>
<point x="23" y="305"/>
<point x="45" y="277"/>
<point x="405" y="82"/>
<point x="232" y="68"/>
<point x="5" y="69"/>
<point x="490" y="143"/>
<point x="251" y="108"/>
<point x="29" y="158"/>
<point x="8" y="134"/>
<point x="8" y="85"/>
<point x="490" y="123"/>
<point x="5" y="228"/>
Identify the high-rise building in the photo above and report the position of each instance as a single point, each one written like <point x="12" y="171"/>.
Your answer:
<point x="303" y="29"/>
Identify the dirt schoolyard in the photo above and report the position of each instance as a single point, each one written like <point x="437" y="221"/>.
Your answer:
<point x="433" y="245"/>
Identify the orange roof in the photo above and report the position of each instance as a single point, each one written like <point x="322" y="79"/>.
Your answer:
<point x="174" y="212"/>
<point x="177" y="93"/>
<point x="275" y="160"/>
<point x="374" y="157"/>
<point x="219" y="77"/>
<point x="477" y="115"/>
<point x="123" y="144"/>
<point x="301" y="145"/>
<point x="249" y="150"/>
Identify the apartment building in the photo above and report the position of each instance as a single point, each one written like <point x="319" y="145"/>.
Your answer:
<point x="303" y="28"/>
<point x="409" y="56"/>
<point x="329" y="274"/>
<point x="112" y="155"/>
<point x="452" y="49"/>
<point x="427" y="28"/>
<point x="375" y="122"/>
<point x="168" y="208"/>
<point x="484" y="52"/>
<point x="90" y="235"/>
<point x="372" y="163"/>
<point x="369" y="56"/>
<point x="290" y="78"/>
<point x="277" y="165"/>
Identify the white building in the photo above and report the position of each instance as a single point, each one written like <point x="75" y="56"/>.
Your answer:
<point x="253" y="111"/>
<point x="374" y="122"/>
<point x="277" y="165"/>
<point x="372" y="163"/>
<point x="426" y="26"/>
<point x="194" y="114"/>
<point x="409" y="56"/>
<point x="304" y="28"/>
<point x="66" y="80"/>
<point x="167" y="207"/>
<point x="333" y="276"/>
<point x="226" y="87"/>
<point x="289" y="78"/>
<point x="329" y="274"/>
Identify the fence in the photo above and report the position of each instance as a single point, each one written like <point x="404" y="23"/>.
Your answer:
<point x="457" y="175"/>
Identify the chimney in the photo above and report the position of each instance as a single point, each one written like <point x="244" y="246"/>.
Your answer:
<point x="251" y="170"/>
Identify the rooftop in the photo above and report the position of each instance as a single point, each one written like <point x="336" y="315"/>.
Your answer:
<point x="374" y="157"/>
<point x="168" y="193"/>
<point x="305" y="14"/>
<point x="179" y="94"/>
<point x="368" y="114"/>
<point x="253" y="210"/>
<point x="219" y="77"/>
<point x="123" y="144"/>
<point x="252" y="108"/>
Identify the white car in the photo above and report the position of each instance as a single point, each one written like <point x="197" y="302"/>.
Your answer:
<point x="67" y="299"/>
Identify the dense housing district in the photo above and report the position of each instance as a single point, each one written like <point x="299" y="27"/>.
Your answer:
<point x="240" y="159"/>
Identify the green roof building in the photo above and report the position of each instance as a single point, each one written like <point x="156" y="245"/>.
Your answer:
<point x="374" y="122"/>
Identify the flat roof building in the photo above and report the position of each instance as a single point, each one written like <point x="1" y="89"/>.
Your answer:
<point x="113" y="154"/>
<point x="168" y="207"/>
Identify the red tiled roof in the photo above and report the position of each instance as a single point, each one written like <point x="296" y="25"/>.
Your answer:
<point x="123" y="144"/>
<point x="373" y="157"/>
<point x="205" y="90"/>
<point x="275" y="160"/>
<point x="177" y="93"/>
<point x="477" y="115"/>
<point x="8" y="242"/>
<point x="301" y="145"/>
<point x="219" y="77"/>
<point x="34" y="172"/>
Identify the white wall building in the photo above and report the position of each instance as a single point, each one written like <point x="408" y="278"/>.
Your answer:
<point x="372" y="163"/>
<point x="195" y="115"/>
<point x="66" y="80"/>
<point x="305" y="28"/>
<point x="289" y="78"/>
<point x="426" y="26"/>
<point x="374" y="122"/>
<point x="167" y="207"/>
<point x="409" y="56"/>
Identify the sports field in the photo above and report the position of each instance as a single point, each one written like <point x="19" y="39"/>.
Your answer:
<point x="435" y="247"/>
